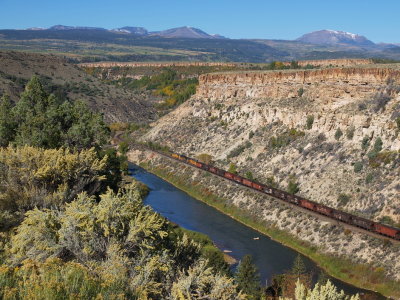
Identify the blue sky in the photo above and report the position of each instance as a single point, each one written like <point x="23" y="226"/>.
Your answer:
<point x="279" y="19"/>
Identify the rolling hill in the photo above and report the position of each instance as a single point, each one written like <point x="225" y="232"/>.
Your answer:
<point x="66" y="80"/>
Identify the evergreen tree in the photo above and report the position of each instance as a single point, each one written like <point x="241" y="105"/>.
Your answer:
<point x="298" y="268"/>
<point x="7" y="124"/>
<point x="247" y="278"/>
<point x="322" y="278"/>
<point x="44" y="121"/>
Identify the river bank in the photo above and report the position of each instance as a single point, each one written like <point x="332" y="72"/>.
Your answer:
<point x="361" y="275"/>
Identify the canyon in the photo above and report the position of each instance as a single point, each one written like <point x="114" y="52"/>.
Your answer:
<point x="333" y="132"/>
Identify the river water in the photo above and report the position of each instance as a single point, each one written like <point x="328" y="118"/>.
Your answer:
<point x="269" y="256"/>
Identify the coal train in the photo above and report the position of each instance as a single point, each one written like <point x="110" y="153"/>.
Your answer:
<point x="378" y="228"/>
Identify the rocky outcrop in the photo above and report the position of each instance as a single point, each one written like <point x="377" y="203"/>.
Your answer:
<point x="324" y="84"/>
<point x="335" y="62"/>
<point x="156" y="65"/>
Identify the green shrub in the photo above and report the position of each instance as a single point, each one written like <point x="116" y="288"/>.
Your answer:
<point x="378" y="144"/>
<point x="365" y="143"/>
<point x="205" y="158"/>
<point x="398" y="122"/>
<point x="123" y="147"/>
<point x="232" y="168"/>
<point x="377" y="159"/>
<point x="358" y="166"/>
<point x="350" y="132"/>
<point x="293" y="186"/>
<point x="387" y="220"/>
<point x="343" y="199"/>
<point x="286" y="138"/>
<point x="372" y="155"/>
<point x="338" y="134"/>
<point x="239" y="149"/>
<point x="249" y="175"/>
<point x="369" y="178"/>
<point x="218" y="106"/>
<point x="310" y="122"/>
<point x="270" y="181"/>
<point x="34" y="177"/>
<point x="300" y="92"/>
<point x="251" y="134"/>
<point x="157" y="146"/>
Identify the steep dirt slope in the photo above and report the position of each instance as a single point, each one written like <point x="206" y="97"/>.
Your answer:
<point x="67" y="80"/>
<point x="319" y="128"/>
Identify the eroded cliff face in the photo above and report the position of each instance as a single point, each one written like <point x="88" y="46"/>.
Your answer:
<point x="319" y="128"/>
<point x="157" y="65"/>
<point x="325" y="85"/>
<point x="345" y="62"/>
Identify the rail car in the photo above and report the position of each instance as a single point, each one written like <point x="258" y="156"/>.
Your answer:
<point x="293" y="199"/>
<point x="247" y="182"/>
<point x="195" y="163"/>
<point x="237" y="178"/>
<point x="387" y="230"/>
<point x="257" y="186"/>
<point x="228" y="175"/>
<point x="307" y="204"/>
<point x="342" y="216"/>
<point x="321" y="209"/>
<point x="268" y="190"/>
<point x="362" y="223"/>
<point x="324" y="210"/>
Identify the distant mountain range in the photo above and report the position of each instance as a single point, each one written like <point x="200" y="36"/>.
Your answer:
<point x="320" y="37"/>
<point x="189" y="43"/>
<point x="179" y="32"/>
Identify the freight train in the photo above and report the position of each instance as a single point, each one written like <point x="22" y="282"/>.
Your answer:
<point x="378" y="228"/>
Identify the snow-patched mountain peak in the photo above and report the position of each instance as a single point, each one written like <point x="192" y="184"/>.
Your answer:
<point x="343" y="33"/>
<point x="335" y="37"/>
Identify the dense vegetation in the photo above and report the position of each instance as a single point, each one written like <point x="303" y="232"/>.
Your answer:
<point x="167" y="83"/>
<point x="42" y="120"/>
<point x="115" y="247"/>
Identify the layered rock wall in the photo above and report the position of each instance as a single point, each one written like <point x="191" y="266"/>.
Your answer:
<point x="324" y="84"/>
<point x="334" y="62"/>
<point x="157" y="65"/>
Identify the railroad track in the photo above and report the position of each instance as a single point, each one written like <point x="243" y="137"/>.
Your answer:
<point x="322" y="211"/>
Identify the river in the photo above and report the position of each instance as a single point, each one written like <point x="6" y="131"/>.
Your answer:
<point x="269" y="256"/>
